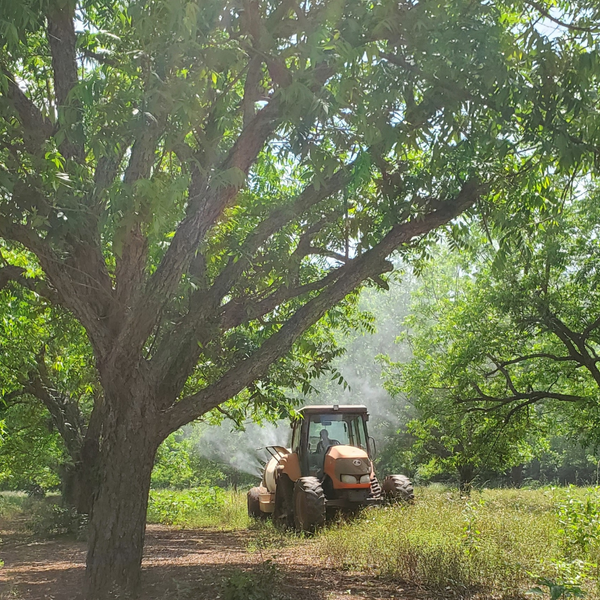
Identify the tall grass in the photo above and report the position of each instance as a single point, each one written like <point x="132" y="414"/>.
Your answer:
<point x="496" y="543"/>
<point x="13" y="504"/>
<point x="199" y="507"/>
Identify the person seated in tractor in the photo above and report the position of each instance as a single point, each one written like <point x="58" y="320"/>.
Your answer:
<point x="325" y="442"/>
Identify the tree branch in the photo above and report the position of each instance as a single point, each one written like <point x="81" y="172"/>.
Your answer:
<point x="505" y="373"/>
<point x="131" y="260"/>
<point x="527" y="357"/>
<point x="549" y="16"/>
<point x="68" y="281"/>
<point x="39" y="286"/>
<point x="37" y="129"/>
<point x="205" y="305"/>
<point x="588" y="330"/>
<point x="142" y="318"/>
<point x="63" y="41"/>
<point x="350" y="276"/>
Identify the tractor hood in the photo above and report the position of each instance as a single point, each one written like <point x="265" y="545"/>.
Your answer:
<point x="346" y="460"/>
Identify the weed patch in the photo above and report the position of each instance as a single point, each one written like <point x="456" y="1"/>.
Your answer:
<point x="258" y="584"/>
<point x="497" y="542"/>
<point x="199" y="507"/>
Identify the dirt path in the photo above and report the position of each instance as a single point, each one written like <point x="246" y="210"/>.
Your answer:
<point x="186" y="565"/>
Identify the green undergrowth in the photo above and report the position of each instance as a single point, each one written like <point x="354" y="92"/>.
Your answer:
<point x="199" y="507"/>
<point x="44" y="517"/>
<point x="13" y="504"/>
<point x="497" y="543"/>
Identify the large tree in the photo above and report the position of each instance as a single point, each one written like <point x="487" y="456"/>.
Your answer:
<point x="200" y="182"/>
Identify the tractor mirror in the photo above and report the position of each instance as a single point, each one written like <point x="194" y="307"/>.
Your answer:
<point x="373" y="447"/>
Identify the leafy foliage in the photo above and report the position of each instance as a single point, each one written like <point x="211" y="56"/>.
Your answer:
<point x="200" y="184"/>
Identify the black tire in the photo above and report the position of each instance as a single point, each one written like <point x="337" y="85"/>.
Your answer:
<point x="254" y="503"/>
<point x="309" y="504"/>
<point x="398" y="488"/>
<point x="283" y="513"/>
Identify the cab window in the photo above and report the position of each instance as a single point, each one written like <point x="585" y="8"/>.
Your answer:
<point x="345" y="429"/>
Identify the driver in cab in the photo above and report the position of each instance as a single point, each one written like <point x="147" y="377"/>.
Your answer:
<point x="324" y="442"/>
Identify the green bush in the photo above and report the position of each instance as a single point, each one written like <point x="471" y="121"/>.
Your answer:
<point x="50" y="519"/>
<point x="259" y="584"/>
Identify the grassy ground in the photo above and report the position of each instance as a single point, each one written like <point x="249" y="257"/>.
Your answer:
<point x="497" y="543"/>
<point x="199" y="507"/>
<point x="13" y="504"/>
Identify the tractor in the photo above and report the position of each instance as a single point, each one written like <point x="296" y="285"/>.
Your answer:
<point x="328" y="468"/>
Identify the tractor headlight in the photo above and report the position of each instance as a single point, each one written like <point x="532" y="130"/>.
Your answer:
<point x="365" y="479"/>
<point x="348" y="479"/>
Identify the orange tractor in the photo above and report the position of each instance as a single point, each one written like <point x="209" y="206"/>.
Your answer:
<point x="329" y="467"/>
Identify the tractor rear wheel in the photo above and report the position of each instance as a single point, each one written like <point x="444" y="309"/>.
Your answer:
<point x="254" y="503"/>
<point x="398" y="488"/>
<point x="283" y="513"/>
<point x="309" y="504"/>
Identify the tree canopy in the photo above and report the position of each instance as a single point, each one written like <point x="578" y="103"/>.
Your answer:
<point x="198" y="184"/>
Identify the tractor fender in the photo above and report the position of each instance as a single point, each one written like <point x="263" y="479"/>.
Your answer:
<point x="290" y="465"/>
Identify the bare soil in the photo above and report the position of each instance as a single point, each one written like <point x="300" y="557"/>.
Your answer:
<point x="185" y="565"/>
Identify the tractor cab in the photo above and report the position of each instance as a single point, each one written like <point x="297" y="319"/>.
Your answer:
<point x="321" y="428"/>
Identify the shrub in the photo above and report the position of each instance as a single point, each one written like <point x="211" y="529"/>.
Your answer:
<point x="259" y="584"/>
<point x="49" y="519"/>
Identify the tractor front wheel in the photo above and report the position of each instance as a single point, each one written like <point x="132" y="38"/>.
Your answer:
<point x="398" y="488"/>
<point x="309" y="504"/>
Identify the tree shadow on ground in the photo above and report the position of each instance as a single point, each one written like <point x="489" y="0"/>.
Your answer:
<point x="187" y="565"/>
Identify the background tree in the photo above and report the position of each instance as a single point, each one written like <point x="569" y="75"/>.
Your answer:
<point x="494" y="334"/>
<point x="445" y="436"/>
<point x="48" y="387"/>
<point x="513" y="330"/>
<point x="200" y="183"/>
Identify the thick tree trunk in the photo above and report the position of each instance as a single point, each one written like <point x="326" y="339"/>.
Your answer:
<point x="516" y="475"/>
<point x="118" y="521"/>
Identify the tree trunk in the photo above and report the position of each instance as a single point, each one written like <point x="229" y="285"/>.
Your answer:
<point x="78" y="488"/>
<point x="118" y="521"/>
<point x="516" y="475"/>
<point x="80" y="480"/>
<point x="465" y="475"/>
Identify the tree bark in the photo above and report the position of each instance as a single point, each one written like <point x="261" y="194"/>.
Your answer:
<point x="118" y="521"/>
<point x="516" y="475"/>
